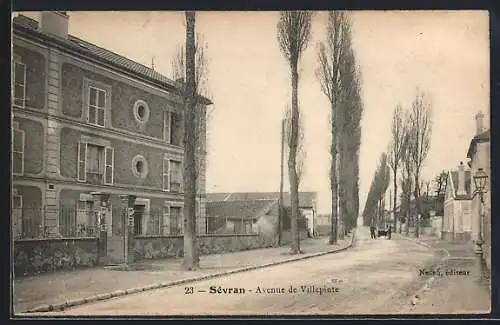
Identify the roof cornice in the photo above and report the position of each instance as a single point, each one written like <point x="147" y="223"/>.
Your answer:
<point x="65" y="46"/>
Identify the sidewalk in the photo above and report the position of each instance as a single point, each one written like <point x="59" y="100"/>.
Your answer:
<point x="60" y="287"/>
<point x="457" y="294"/>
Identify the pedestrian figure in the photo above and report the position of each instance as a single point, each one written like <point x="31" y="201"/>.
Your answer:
<point x="372" y="232"/>
<point x="389" y="232"/>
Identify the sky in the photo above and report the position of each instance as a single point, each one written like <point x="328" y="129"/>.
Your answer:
<point x="446" y="54"/>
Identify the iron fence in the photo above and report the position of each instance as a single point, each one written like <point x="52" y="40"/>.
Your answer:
<point x="43" y="222"/>
<point x="172" y="224"/>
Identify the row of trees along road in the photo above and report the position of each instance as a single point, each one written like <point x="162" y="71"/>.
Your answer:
<point x="411" y="132"/>
<point x="339" y="78"/>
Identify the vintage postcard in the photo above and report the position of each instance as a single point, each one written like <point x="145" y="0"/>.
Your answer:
<point x="250" y="163"/>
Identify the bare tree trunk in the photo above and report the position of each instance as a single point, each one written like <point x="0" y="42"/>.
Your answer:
<point x="280" y="216"/>
<point x="294" y="195"/>
<point x="191" y="258"/>
<point x="417" y="204"/>
<point x="394" y="200"/>
<point x="333" y="180"/>
<point x="408" y="214"/>
<point x="341" y="195"/>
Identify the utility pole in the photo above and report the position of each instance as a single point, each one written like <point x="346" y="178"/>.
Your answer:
<point x="280" y="213"/>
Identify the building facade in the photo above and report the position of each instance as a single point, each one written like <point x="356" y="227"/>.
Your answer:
<point x="457" y="222"/>
<point x="480" y="157"/>
<point x="89" y="126"/>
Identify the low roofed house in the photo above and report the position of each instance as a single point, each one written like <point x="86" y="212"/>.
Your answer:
<point x="241" y="217"/>
<point x="457" y="223"/>
<point x="307" y="202"/>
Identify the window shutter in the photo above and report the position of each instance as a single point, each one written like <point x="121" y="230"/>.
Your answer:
<point x="82" y="162"/>
<point x="109" y="158"/>
<point x="18" y="152"/>
<point x="180" y="174"/>
<point x="166" y="127"/>
<point x="166" y="174"/>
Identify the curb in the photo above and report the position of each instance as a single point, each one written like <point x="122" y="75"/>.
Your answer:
<point x="120" y="293"/>
<point x="416" y="296"/>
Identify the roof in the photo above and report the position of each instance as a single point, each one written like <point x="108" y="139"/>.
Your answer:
<point x="482" y="137"/>
<point x="30" y="25"/>
<point x="306" y="199"/>
<point x="246" y="209"/>
<point x="468" y="187"/>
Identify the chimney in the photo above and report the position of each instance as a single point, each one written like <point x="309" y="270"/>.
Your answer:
<point x="479" y="123"/>
<point x="55" y="23"/>
<point x="461" y="179"/>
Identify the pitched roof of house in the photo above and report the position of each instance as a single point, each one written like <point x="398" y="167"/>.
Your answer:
<point x="482" y="137"/>
<point x="468" y="185"/>
<point x="306" y="199"/>
<point x="75" y="43"/>
<point x="246" y="208"/>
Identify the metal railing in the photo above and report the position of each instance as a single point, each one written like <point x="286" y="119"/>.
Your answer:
<point x="43" y="222"/>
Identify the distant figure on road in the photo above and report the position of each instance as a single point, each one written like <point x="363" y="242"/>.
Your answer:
<point x="372" y="232"/>
<point x="389" y="231"/>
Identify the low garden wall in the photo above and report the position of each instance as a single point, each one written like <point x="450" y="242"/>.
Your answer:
<point x="152" y="247"/>
<point x="48" y="255"/>
<point x="323" y="230"/>
<point x="45" y="255"/>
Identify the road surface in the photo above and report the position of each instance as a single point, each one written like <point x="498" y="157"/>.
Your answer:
<point x="374" y="277"/>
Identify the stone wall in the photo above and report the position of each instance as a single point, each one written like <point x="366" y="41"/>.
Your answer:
<point x="153" y="247"/>
<point x="322" y="230"/>
<point x="46" y="255"/>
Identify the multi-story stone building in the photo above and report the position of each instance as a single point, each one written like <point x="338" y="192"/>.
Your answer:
<point x="88" y="126"/>
<point x="479" y="153"/>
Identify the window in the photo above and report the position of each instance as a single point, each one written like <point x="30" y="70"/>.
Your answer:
<point x="139" y="167"/>
<point x="156" y="220"/>
<point x="95" y="163"/>
<point x="176" y="221"/>
<point x="167" y="127"/>
<point x="86" y="221"/>
<point x="141" y="111"/>
<point x="18" y="151"/>
<point x="166" y="221"/>
<point x="176" y="129"/>
<point x="19" y="84"/>
<point x="175" y="176"/>
<point x="97" y="104"/>
<point x="17" y="215"/>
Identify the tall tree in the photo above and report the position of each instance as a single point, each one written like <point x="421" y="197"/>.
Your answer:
<point x="440" y="187"/>
<point x="378" y="188"/>
<point x="421" y="130"/>
<point x="198" y="138"/>
<point x="294" y="32"/>
<point x="202" y="111"/>
<point x="191" y="256"/>
<point x="301" y="154"/>
<point x="396" y="152"/>
<point x="349" y="120"/>
<point x="407" y="174"/>
<point x="331" y="56"/>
